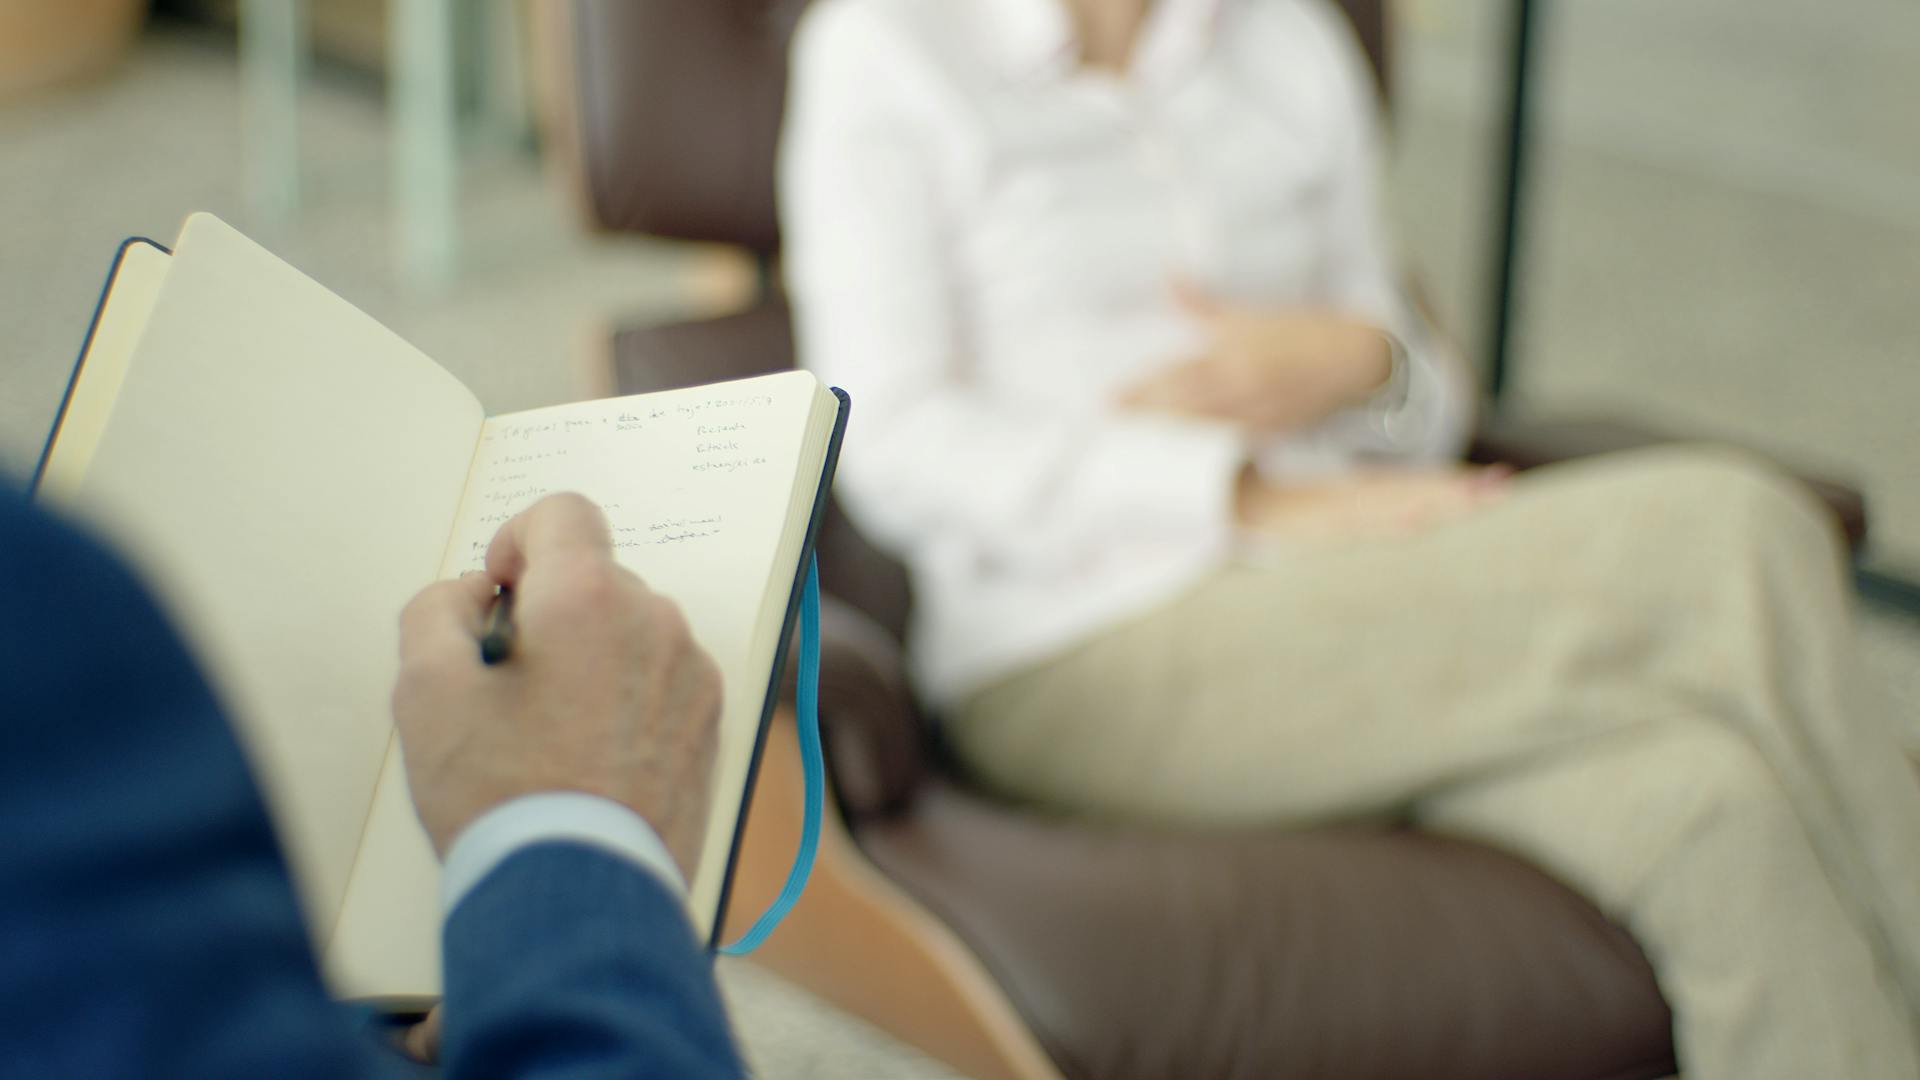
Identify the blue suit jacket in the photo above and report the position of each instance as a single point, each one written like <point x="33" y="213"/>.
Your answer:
<point x="147" y="923"/>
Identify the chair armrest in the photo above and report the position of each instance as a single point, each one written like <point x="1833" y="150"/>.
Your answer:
<point x="1527" y="444"/>
<point x="870" y="726"/>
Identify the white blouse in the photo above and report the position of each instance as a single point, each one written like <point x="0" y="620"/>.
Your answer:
<point x="980" y="236"/>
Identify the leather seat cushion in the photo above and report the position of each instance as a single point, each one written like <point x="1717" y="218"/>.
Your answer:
<point x="1362" y="953"/>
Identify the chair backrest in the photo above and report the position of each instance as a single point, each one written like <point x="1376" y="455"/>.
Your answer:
<point x="676" y="107"/>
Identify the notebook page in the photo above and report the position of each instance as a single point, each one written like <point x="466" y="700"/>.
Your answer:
<point x="698" y="486"/>
<point x="386" y="945"/>
<point x="128" y="305"/>
<point x="699" y="489"/>
<point x="285" y="468"/>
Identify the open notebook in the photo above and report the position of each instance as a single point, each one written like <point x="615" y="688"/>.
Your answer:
<point x="288" y="473"/>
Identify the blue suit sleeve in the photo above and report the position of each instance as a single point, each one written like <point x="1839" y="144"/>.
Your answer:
<point x="567" y="961"/>
<point x="147" y="922"/>
<point x="148" y="926"/>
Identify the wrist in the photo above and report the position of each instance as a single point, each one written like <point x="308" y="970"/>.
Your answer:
<point x="1387" y="403"/>
<point x="564" y="816"/>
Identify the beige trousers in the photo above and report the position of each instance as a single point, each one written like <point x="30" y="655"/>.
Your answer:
<point x="1637" y="672"/>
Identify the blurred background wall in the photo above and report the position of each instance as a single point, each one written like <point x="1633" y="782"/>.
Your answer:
<point x="132" y="140"/>
<point x="1722" y="234"/>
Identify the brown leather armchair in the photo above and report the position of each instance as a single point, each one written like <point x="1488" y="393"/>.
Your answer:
<point x="1014" y="943"/>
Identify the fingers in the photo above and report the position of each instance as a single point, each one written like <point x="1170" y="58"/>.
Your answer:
<point x="1151" y="393"/>
<point x="1492" y="478"/>
<point x="1194" y="300"/>
<point x="1222" y="389"/>
<point x="1188" y="388"/>
<point x="422" y="1041"/>
<point x="1451" y="496"/>
<point x="444" y="616"/>
<point x="564" y="529"/>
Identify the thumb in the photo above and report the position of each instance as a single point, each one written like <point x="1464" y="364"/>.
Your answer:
<point x="422" y="1041"/>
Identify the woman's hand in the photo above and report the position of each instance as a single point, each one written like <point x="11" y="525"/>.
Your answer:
<point x="1269" y="371"/>
<point x="1375" y="503"/>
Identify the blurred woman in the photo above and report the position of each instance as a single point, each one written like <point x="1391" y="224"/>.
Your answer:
<point x="1175" y="471"/>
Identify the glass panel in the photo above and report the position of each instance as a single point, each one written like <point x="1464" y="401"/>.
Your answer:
<point x="1725" y="223"/>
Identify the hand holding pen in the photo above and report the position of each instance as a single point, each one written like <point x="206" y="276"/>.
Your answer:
<point x="555" y="670"/>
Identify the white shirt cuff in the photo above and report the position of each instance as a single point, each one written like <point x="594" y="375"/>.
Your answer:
<point x="554" y="815"/>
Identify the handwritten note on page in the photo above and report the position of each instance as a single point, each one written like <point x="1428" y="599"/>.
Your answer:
<point x="698" y="487"/>
<point x="707" y="493"/>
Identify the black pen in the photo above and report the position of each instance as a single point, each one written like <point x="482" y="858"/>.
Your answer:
<point x="496" y="642"/>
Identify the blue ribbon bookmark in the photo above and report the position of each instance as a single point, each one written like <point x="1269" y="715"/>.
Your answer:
<point x="812" y="763"/>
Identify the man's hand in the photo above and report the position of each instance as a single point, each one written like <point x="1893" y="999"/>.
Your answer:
<point x="605" y="692"/>
<point x="1269" y="371"/>
<point x="1376" y="503"/>
<point x="421" y="1042"/>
